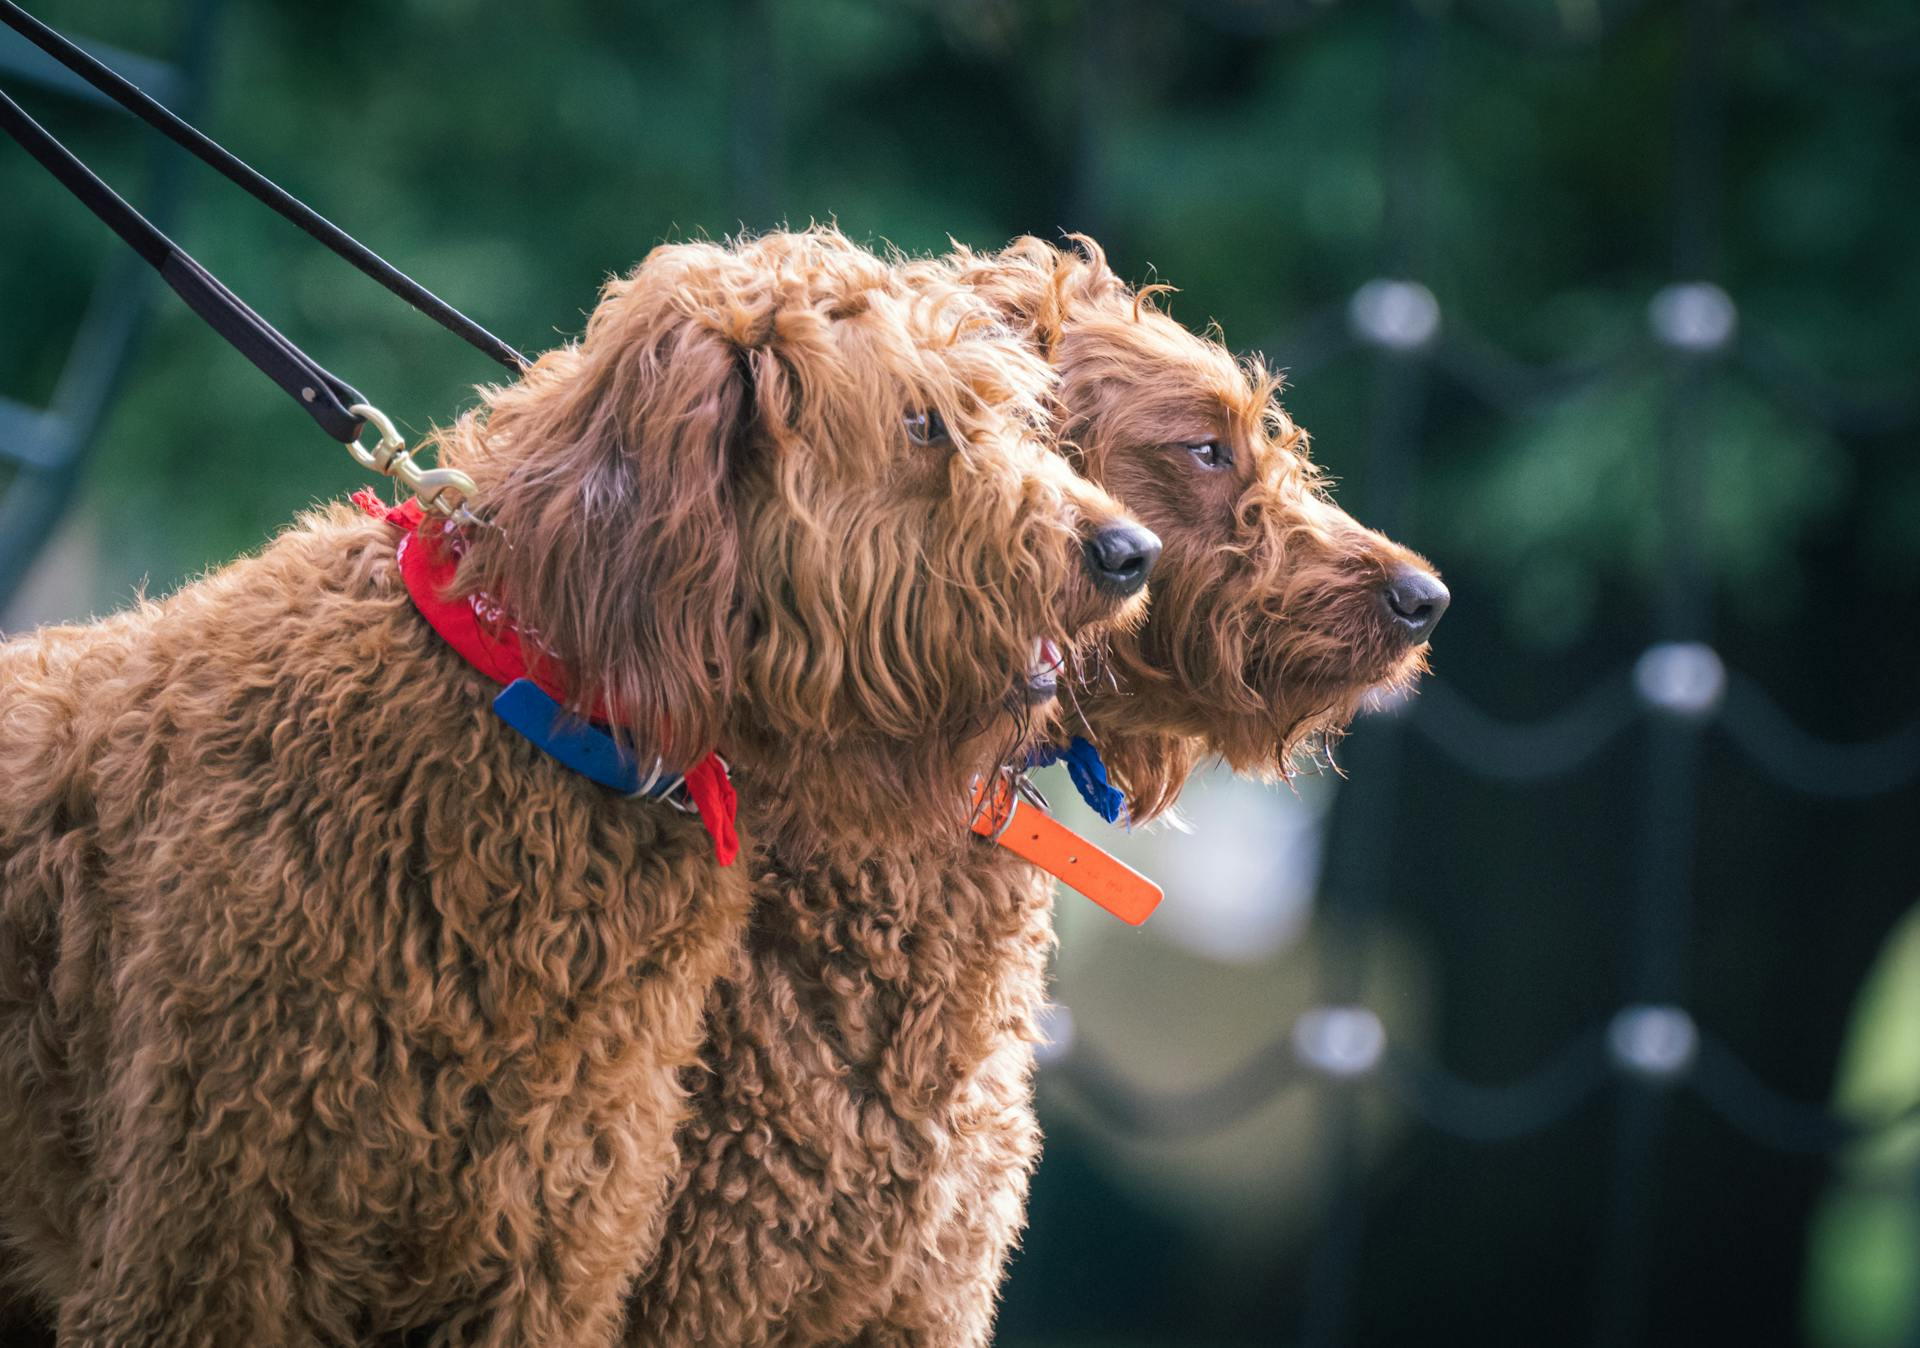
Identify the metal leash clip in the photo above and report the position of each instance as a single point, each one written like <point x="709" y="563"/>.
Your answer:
<point x="1023" y="783"/>
<point x="440" y="491"/>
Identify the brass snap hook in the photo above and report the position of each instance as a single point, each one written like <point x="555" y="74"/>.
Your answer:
<point x="441" y="491"/>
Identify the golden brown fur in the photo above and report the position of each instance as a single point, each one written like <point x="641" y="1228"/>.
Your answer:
<point x="329" y="1007"/>
<point x="855" y="1168"/>
<point x="1265" y="633"/>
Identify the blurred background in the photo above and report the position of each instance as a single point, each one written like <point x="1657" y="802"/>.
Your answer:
<point x="1585" y="1006"/>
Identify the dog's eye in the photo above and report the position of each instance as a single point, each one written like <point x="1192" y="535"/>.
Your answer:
<point x="926" y="428"/>
<point x="1211" y="454"/>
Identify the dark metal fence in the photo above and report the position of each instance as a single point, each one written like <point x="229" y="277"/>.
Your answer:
<point x="1675" y="694"/>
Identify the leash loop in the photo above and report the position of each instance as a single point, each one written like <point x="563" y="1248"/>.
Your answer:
<point x="441" y="491"/>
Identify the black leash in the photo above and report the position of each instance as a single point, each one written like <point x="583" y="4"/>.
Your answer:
<point x="333" y="403"/>
<point x="325" y="397"/>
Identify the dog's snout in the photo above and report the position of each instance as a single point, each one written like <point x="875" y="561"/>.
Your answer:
<point x="1120" y="557"/>
<point x="1415" y="599"/>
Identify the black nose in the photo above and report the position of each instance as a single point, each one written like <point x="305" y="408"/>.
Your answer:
<point x="1121" y="556"/>
<point x="1415" y="600"/>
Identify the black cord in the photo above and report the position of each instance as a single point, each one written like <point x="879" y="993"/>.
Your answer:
<point x="262" y="189"/>
<point x="326" y="398"/>
<point x="1220" y="1103"/>
<point x="1519" y="751"/>
<point x="1810" y="764"/>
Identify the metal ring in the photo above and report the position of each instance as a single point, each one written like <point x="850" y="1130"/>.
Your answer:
<point x="1032" y="794"/>
<point x="988" y="797"/>
<point x="445" y="492"/>
<point x="653" y="778"/>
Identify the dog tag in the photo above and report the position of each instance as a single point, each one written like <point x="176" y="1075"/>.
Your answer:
<point x="1037" y="837"/>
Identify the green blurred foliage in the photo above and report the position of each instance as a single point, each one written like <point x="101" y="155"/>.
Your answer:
<point x="1863" y="1284"/>
<point x="1575" y="494"/>
<point x="512" y="157"/>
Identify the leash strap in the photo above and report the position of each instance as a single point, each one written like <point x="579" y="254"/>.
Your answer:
<point x="1036" y="836"/>
<point x="325" y="397"/>
<point x="263" y="189"/>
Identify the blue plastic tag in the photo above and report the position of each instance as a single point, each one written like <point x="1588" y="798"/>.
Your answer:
<point x="586" y="748"/>
<point x="1088" y="772"/>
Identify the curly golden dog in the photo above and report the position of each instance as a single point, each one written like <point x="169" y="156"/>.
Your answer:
<point x="855" y="1168"/>
<point x="332" y="1008"/>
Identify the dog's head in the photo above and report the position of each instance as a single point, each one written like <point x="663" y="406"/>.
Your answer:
<point x="780" y="502"/>
<point x="1275" y="615"/>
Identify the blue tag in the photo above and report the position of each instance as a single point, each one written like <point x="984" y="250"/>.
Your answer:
<point x="586" y="748"/>
<point x="1088" y="772"/>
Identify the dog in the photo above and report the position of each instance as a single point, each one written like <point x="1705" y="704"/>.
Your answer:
<point x="856" y="1164"/>
<point x="1277" y="617"/>
<point x="332" y="1007"/>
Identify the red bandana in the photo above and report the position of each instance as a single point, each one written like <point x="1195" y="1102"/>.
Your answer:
<point x="487" y="638"/>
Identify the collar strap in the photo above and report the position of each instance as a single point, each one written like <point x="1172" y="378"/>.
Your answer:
<point x="1029" y="832"/>
<point x="533" y="702"/>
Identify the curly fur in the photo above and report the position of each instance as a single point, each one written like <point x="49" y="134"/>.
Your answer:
<point x="329" y="1007"/>
<point x="1266" y="634"/>
<point x="856" y="1163"/>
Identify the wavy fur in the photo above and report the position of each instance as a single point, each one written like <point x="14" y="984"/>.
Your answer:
<point x="857" y="1158"/>
<point x="329" y="1008"/>
<point x="1266" y="634"/>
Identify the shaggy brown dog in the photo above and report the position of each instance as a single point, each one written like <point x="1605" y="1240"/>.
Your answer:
<point x="1276" y="617"/>
<point x="856" y="1166"/>
<point x="329" y="1006"/>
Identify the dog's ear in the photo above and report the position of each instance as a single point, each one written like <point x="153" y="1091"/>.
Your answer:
<point x="608" y="475"/>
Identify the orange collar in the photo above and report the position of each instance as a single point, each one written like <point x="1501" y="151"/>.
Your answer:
<point x="1029" y="832"/>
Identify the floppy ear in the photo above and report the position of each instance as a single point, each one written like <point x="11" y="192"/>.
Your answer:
<point x="608" y="475"/>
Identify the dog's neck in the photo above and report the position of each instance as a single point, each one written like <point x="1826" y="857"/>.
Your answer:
<point x="840" y="810"/>
<point x="850" y="797"/>
<point x="1150" y="754"/>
